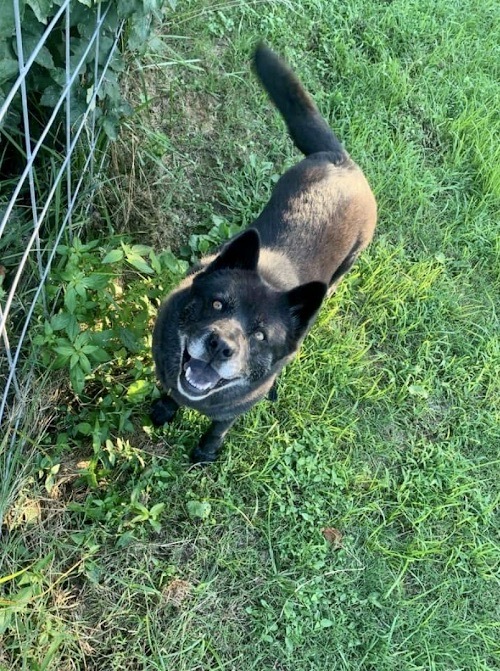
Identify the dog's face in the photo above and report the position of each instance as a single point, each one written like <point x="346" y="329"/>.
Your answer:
<point x="235" y="328"/>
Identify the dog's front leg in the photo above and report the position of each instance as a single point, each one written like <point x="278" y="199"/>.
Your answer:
<point x="163" y="410"/>
<point x="208" y="449"/>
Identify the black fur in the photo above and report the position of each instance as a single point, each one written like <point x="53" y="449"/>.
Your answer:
<point x="223" y="336"/>
<point x="307" y="128"/>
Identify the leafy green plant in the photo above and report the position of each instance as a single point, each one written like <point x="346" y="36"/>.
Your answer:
<point x="46" y="78"/>
<point x="144" y="514"/>
<point x="100" y="335"/>
<point x="95" y="314"/>
<point x="201" y="243"/>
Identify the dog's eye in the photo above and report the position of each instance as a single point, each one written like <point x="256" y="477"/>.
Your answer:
<point x="217" y="305"/>
<point x="259" y="335"/>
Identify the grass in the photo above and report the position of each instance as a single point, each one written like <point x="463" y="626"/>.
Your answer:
<point x="354" y="523"/>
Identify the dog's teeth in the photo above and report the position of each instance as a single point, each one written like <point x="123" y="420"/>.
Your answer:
<point x="189" y="378"/>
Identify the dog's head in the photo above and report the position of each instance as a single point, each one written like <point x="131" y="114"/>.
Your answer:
<point x="235" y="329"/>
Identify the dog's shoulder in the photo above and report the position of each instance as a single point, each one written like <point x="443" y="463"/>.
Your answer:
<point x="277" y="269"/>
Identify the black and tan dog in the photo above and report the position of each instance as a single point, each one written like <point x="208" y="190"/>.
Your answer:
<point x="229" y="328"/>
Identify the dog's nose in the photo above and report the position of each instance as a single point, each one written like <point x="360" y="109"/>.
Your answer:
<point x="217" y="346"/>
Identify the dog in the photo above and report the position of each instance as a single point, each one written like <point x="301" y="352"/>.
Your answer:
<point x="224" y="334"/>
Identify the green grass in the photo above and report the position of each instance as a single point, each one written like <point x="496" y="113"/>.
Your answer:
<point x="387" y="425"/>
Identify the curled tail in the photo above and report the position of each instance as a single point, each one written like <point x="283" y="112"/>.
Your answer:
<point x="306" y="126"/>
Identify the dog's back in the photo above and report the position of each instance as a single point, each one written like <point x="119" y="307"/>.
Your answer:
<point x="322" y="213"/>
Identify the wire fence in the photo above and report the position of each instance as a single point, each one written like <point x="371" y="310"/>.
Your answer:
<point x="33" y="200"/>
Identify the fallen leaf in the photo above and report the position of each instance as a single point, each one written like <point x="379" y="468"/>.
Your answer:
<point x="333" y="536"/>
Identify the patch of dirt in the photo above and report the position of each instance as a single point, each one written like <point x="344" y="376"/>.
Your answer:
<point x="25" y="511"/>
<point x="177" y="592"/>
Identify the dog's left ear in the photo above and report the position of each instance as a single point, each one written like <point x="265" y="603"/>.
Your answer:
<point x="303" y="302"/>
<point x="241" y="253"/>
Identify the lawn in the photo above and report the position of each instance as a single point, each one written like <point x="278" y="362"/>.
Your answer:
<point x="353" y="524"/>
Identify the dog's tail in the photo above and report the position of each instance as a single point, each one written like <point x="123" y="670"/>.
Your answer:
<point x="308" y="129"/>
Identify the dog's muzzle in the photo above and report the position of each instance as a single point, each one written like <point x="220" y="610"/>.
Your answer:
<point x="208" y="365"/>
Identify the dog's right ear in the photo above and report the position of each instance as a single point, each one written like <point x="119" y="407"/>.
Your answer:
<point x="241" y="253"/>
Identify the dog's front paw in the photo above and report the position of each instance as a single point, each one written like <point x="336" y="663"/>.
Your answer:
<point x="208" y="448"/>
<point x="163" y="410"/>
<point x="202" y="456"/>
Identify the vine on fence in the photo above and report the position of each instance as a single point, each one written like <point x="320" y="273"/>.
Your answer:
<point x="86" y="67"/>
<point x="46" y="79"/>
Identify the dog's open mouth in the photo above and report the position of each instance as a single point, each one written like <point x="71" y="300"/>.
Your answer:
<point x="199" y="377"/>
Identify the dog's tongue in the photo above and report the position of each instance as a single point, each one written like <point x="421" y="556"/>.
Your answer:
<point x="201" y="375"/>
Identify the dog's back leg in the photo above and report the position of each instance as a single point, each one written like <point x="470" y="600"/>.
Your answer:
<point x="345" y="266"/>
<point x="272" y="394"/>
